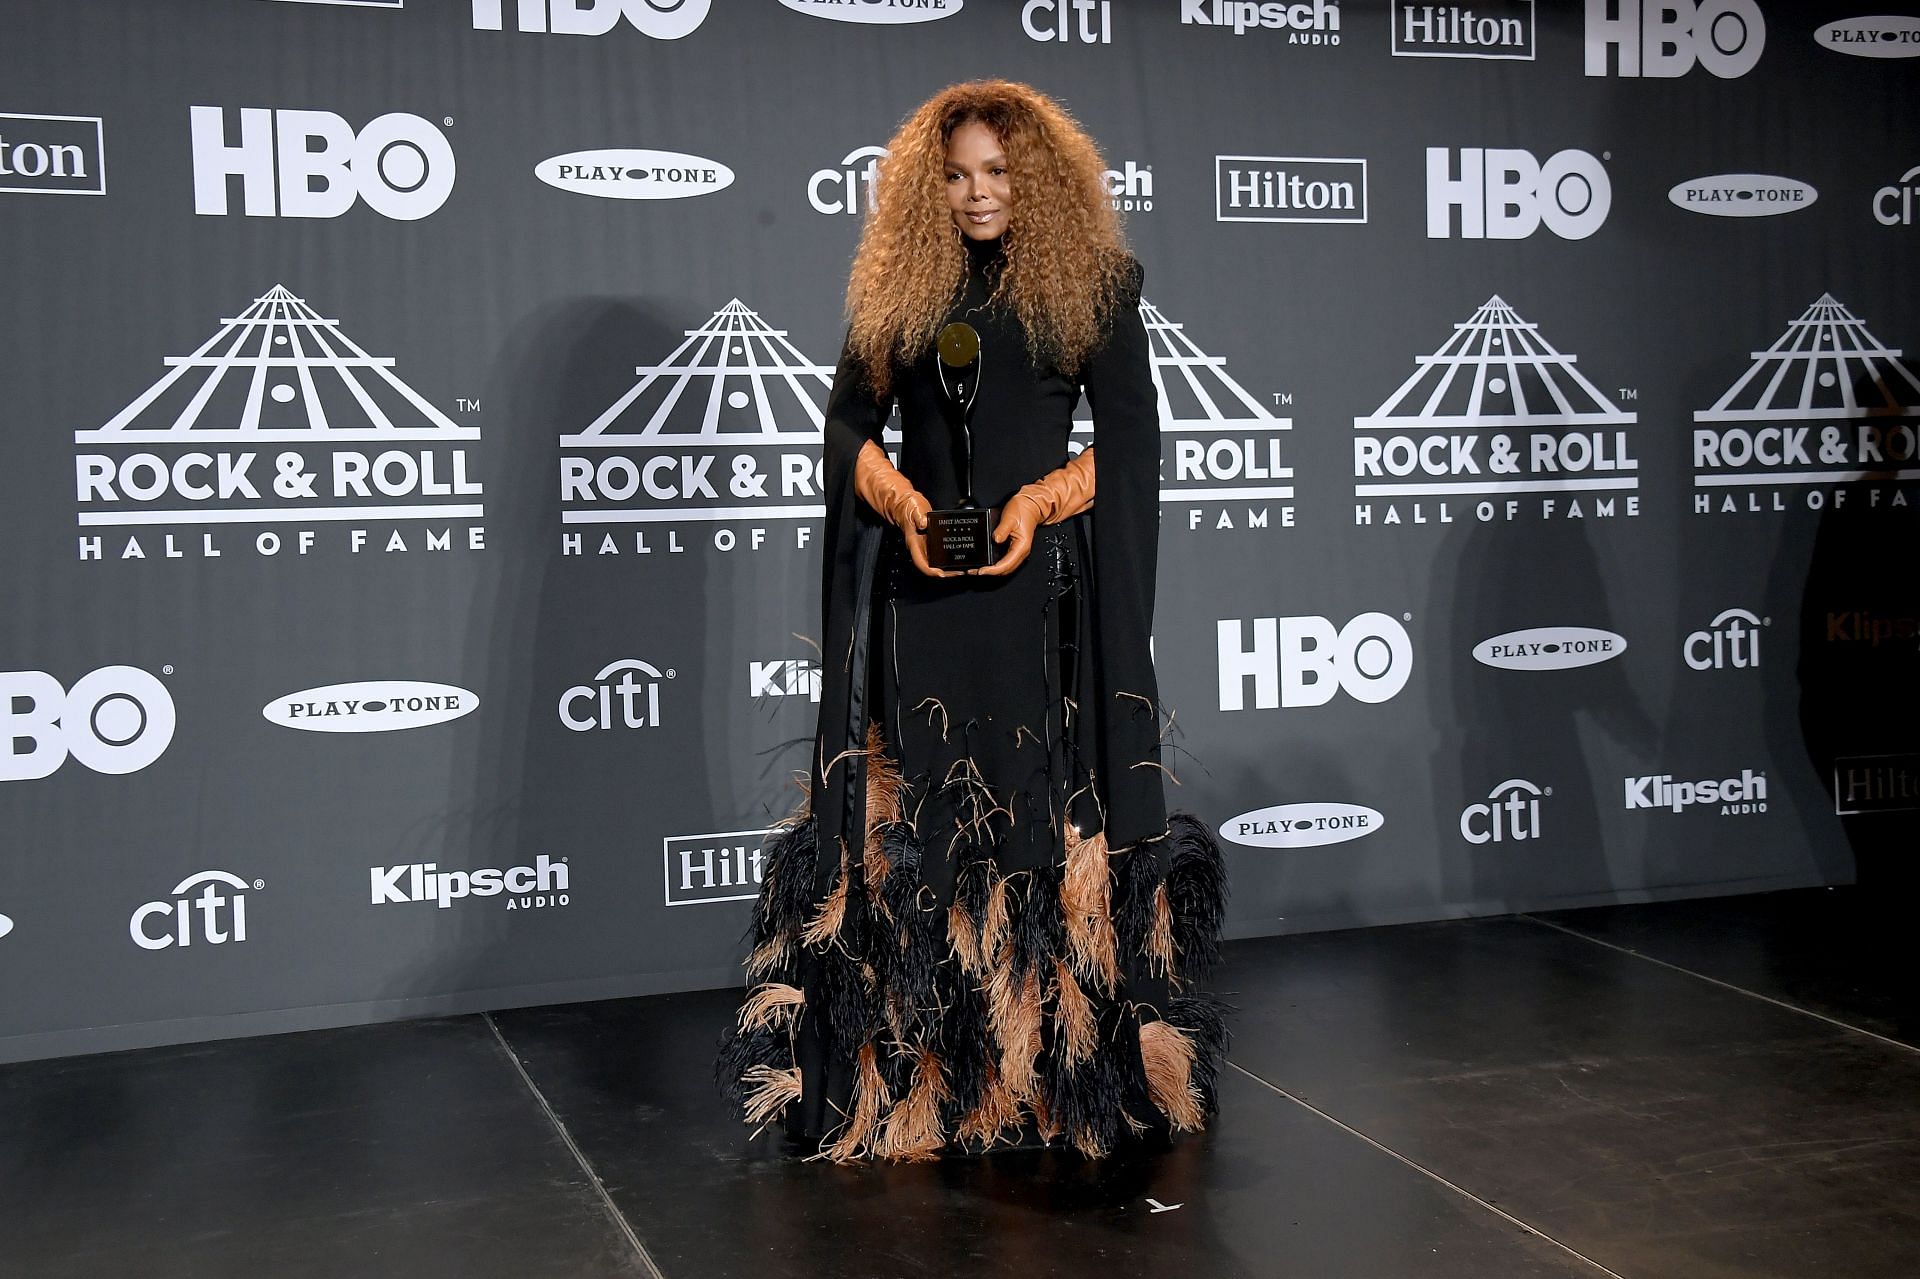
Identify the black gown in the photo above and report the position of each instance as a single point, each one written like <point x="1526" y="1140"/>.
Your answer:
<point x="984" y="926"/>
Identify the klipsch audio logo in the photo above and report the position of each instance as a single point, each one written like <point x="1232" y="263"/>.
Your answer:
<point x="1507" y="194"/>
<point x="1491" y="29"/>
<point x="1131" y="188"/>
<point x="722" y="867"/>
<point x="314" y="164"/>
<point x="1662" y="39"/>
<point x="1876" y="784"/>
<point x="1864" y="626"/>
<point x="52" y="154"/>
<point x="534" y="887"/>
<point x="1893" y="205"/>
<point x="661" y="19"/>
<point x="371" y="706"/>
<point x="1742" y="195"/>
<point x="1549" y="648"/>
<point x="725" y="430"/>
<point x="1510" y="814"/>
<point x="1826" y="406"/>
<point x="363" y="447"/>
<point x="1279" y="188"/>
<point x="1746" y="793"/>
<point x="1312" y="22"/>
<point x="847" y="187"/>
<point x="1730" y="641"/>
<point x="1304" y="661"/>
<point x="634" y="175"/>
<point x="1882" y="36"/>
<point x="1495" y="413"/>
<point x="1301" y="825"/>
<point x="877" y="12"/>
<point x="1085" y="21"/>
<point x="625" y="694"/>
<point x="213" y="916"/>
<point x="794" y="677"/>
<point x="117" y="719"/>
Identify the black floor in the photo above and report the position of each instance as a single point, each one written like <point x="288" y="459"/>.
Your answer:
<point x="1711" y="1088"/>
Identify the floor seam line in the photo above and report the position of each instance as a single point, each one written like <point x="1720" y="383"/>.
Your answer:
<point x="1727" y="985"/>
<point x="1425" y="1171"/>
<point x="579" y="1156"/>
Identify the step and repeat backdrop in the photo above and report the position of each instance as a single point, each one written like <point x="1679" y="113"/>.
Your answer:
<point x="410" y="510"/>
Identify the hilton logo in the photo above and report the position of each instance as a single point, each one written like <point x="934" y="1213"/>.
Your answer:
<point x="1876" y="784"/>
<point x="722" y="867"/>
<point x="1502" y="29"/>
<point x="1279" y="188"/>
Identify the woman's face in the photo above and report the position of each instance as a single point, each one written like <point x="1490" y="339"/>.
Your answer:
<point x="977" y="187"/>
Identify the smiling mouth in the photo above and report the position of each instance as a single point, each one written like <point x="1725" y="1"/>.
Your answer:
<point x="988" y="216"/>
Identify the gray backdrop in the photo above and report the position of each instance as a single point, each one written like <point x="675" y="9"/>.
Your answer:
<point x="1539" y="448"/>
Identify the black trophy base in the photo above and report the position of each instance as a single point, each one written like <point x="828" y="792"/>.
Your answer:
<point x="960" y="540"/>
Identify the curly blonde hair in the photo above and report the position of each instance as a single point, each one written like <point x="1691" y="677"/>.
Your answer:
<point x="1066" y="259"/>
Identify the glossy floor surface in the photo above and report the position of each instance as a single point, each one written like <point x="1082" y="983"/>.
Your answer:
<point x="1711" y="1088"/>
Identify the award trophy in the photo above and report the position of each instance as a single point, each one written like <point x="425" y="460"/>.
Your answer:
<point x="961" y="538"/>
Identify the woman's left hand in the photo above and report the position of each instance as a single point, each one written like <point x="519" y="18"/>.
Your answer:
<point x="1018" y="520"/>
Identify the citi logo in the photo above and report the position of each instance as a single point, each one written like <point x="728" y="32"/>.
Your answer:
<point x="52" y="154"/>
<point x="1510" y="814"/>
<point x="115" y="720"/>
<point x="849" y="187"/>
<point x="1883" y="36"/>
<point x="216" y="915"/>
<point x="1085" y="21"/>
<point x="796" y="677"/>
<point x="1131" y="188"/>
<point x="1731" y="639"/>
<point x="724" y="866"/>
<point x="661" y="19"/>
<point x="1893" y="205"/>
<point x="634" y="175"/>
<point x="534" y="887"/>
<point x="1746" y="793"/>
<point x="1304" y="661"/>
<point x="1498" y="29"/>
<point x="1506" y="194"/>
<point x="370" y="706"/>
<point x="1742" y="195"/>
<point x="1301" y="825"/>
<point x="877" y="12"/>
<point x="1549" y="648"/>
<point x="625" y="694"/>
<point x="1261" y="188"/>
<point x="1662" y="39"/>
<point x="1317" y="22"/>
<point x="313" y="164"/>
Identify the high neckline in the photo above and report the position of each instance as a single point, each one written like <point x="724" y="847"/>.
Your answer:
<point x="985" y="254"/>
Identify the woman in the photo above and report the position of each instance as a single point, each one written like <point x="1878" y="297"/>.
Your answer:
<point x="982" y="927"/>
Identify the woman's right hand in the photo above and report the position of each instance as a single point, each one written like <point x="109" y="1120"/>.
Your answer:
<point x="895" y="500"/>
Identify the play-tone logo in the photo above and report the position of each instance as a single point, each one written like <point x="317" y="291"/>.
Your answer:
<point x="1736" y="796"/>
<point x="535" y="887"/>
<point x="52" y="154"/>
<point x="634" y="175"/>
<point x="1304" y="661"/>
<point x="362" y="447"/>
<point x="1511" y="814"/>
<point x="1731" y="640"/>
<point x="661" y="19"/>
<point x="625" y="694"/>
<point x="370" y="706"/>
<point x="1301" y="825"/>
<point x="724" y="866"/>
<point x="314" y="164"/>
<point x="1506" y="194"/>
<point x="1280" y="188"/>
<point x="1549" y="648"/>
<point x="794" y="677"/>
<point x="1882" y="36"/>
<point x="1824" y="418"/>
<point x="1493" y="29"/>
<point x="1742" y="195"/>
<point x="1082" y="21"/>
<point x="877" y="12"/>
<point x="1876" y="784"/>
<point x="115" y="720"/>
<point x="1662" y="39"/>
<point x="847" y="188"/>
<point x="1496" y="412"/>
<point x="211" y="917"/>
<point x="1894" y="205"/>
<point x="1311" y="22"/>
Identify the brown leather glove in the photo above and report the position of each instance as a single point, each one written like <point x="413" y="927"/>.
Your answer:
<point x="894" y="498"/>
<point x="1058" y="495"/>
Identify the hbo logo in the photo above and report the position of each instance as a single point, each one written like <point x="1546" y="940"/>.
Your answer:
<point x="311" y="164"/>
<point x="661" y="19"/>
<point x="116" y="720"/>
<point x="1506" y="194"/>
<point x="1662" y="39"/>
<point x="1304" y="661"/>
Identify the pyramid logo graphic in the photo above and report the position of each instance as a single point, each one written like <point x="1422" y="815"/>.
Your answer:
<point x="1496" y="410"/>
<point x="320" y="430"/>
